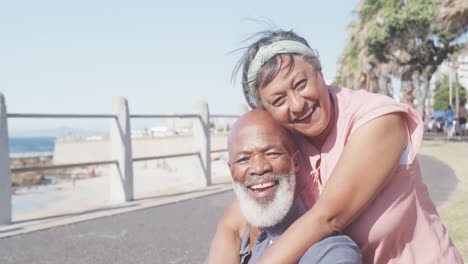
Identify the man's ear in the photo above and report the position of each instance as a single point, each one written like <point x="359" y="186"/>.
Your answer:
<point x="296" y="159"/>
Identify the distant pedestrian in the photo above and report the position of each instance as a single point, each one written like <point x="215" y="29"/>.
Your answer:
<point x="449" y="120"/>
<point x="92" y="173"/>
<point x="462" y="114"/>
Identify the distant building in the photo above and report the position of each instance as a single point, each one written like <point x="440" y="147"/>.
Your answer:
<point x="463" y="71"/>
<point x="180" y="126"/>
<point x="444" y="69"/>
<point x="159" y="131"/>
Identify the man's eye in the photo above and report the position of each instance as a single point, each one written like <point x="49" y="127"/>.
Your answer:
<point x="241" y="160"/>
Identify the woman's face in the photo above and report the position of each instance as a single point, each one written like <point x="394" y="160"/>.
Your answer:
<point x="299" y="100"/>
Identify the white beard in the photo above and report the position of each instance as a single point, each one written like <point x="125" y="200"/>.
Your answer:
<point x="269" y="213"/>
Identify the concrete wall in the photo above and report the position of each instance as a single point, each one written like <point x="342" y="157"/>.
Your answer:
<point x="77" y="151"/>
<point x="152" y="176"/>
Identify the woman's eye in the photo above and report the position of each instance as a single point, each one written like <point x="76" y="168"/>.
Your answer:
<point x="273" y="154"/>
<point x="278" y="101"/>
<point x="301" y="84"/>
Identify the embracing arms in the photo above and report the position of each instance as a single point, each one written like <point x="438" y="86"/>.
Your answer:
<point x="371" y="156"/>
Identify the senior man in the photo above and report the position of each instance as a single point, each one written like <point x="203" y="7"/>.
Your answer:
<point x="263" y="162"/>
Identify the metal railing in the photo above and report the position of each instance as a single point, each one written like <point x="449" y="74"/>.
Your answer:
<point x="166" y="156"/>
<point x="61" y="166"/>
<point x="121" y="180"/>
<point x="59" y="116"/>
<point x="178" y="155"/>
<point x="165" y="116"/>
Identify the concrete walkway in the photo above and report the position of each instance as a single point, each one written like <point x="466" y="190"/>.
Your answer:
<point x="173" y="233"/>
<point x="439" y="178"/>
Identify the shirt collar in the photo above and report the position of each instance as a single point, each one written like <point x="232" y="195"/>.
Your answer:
<point x="296" y="211"/>
<point x="272" y="233"/>
<point x="245" y="246"/>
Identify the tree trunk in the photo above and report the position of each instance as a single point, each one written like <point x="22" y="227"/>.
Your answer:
<point x="425" y="93"/>
<point x="418" y="93"/>
<point x="385" y="85"/>
<point x="457" y="96"/>
<point x="407" y="88"/>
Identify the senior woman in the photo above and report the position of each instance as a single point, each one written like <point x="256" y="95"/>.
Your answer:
<point x="358" y="171"/>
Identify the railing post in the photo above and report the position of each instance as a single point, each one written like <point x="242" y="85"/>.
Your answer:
<point x="201" y="138"/>
<point x="121" y="181"/>
<point x="5" y="180"/>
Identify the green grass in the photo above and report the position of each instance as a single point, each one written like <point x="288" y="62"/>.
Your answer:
<point x="454" y="214"/>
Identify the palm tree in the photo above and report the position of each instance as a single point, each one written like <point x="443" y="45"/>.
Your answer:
<point x="452" y="16"/>
<point x="358" y="68"/>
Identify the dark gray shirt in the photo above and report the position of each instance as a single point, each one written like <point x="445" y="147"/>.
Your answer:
<point x="333" y="249"/>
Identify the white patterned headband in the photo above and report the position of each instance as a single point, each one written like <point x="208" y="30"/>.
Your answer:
<point x="265" y="53"/>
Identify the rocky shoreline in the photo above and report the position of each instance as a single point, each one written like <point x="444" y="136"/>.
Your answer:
<point x="33" y="178"/>
<point x="28" y="179"/>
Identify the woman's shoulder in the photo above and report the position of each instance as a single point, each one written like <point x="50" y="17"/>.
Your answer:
<point x="358" y="107"/>
<point x="349" y="100"/>
<point x="361" y="103"/>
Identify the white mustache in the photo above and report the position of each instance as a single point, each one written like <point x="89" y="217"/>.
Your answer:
<point x="267" y="213"/>
<point x="264" y="177"/>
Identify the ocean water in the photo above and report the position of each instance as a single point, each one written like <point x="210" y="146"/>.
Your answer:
<point x="31" y="146"/>
<point x="38" y="196"/>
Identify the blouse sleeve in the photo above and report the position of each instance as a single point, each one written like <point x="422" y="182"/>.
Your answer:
<point x="369" y="106"/>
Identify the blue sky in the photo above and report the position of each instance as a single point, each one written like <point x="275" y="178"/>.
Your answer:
<point x="163" y="56"/>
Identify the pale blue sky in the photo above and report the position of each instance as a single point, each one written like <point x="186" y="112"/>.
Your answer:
<point x="163" y="56"/>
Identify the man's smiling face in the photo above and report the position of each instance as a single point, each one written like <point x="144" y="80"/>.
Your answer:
<point x="263" y="168"/>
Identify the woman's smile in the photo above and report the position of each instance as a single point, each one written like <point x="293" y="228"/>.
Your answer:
<point x="307" y="116"/>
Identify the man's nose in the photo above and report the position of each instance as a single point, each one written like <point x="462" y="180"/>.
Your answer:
<point x="260" y="165"/>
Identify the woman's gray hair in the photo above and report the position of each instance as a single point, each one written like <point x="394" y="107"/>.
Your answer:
<point x="272" y="67"/>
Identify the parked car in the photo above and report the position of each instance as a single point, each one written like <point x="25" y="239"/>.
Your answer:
<point x="429" y="124"/>
<point x="435" y="122"/>
<point x="439" y="124"/>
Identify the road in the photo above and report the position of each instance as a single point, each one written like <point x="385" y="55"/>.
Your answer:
<point x="174" y="233"/>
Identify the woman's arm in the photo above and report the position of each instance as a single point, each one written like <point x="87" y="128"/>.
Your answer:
<point x="226" y="243"/>
<point x="369" y="160"/>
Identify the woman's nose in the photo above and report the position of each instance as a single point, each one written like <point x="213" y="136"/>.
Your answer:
<point x="296" y="103"/>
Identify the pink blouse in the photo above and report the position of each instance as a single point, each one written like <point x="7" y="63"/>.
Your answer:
<point x="402" y="224"/>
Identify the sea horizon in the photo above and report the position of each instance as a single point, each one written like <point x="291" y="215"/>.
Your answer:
<point x="23" y="147"/>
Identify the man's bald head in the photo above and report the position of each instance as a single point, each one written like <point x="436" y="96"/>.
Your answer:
<point x="260" y="119"/>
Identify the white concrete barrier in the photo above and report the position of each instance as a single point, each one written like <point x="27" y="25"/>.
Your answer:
<point x="201" y="139"/>
<point x="5" y="180"/>
<point x="121" y="178"/>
